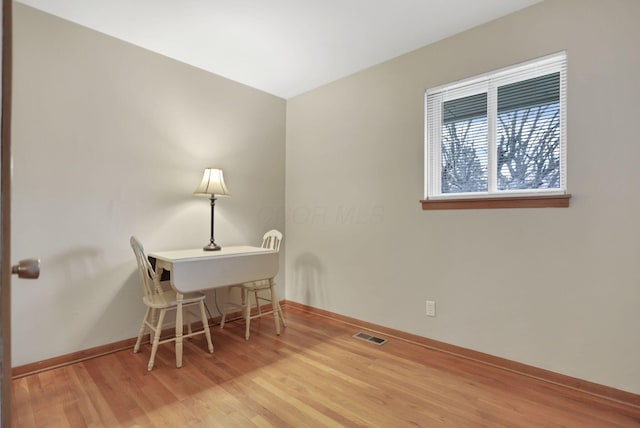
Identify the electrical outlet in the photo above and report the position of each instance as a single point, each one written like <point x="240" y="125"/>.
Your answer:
<point x="431" y="308"/>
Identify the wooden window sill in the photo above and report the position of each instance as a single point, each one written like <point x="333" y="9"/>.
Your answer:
<point x="554" y="201"/>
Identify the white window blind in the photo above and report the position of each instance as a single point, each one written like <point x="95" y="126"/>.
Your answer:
<point x="499" y="134"/>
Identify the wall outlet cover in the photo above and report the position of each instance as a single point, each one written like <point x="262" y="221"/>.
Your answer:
<point x="431" y="308"/>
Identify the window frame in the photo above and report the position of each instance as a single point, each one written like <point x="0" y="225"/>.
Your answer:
<point x="489" y="83"/>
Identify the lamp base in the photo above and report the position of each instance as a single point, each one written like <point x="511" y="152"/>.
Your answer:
<point x="211" y="246"/>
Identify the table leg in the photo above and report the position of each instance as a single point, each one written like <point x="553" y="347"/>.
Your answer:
<point x="179" y="327"/>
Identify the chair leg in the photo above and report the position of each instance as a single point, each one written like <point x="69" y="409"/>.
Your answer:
<point x="243" y="301"/>
<point x="224" y="307"/>
<point x="153" y="317"/>
<point x="143" y="326"/>
<point x="156" y="339"/>
<point x="284" y="322"/>
<point x="274" y="305"/>
<point x="205" y="326"/>
<point x="247" y="311"/>
<point x="255" y="297"/>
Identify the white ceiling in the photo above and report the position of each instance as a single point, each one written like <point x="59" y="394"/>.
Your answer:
<point x="283" y="47"/>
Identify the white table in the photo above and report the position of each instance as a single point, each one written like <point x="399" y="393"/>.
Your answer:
<point x="196" y="270"/>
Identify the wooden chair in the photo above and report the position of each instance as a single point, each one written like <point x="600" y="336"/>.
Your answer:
<point x="271" y="240"/>
<point x="159" y="300"/>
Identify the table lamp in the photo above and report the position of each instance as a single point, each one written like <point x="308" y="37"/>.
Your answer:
<point x="212" y="184"/>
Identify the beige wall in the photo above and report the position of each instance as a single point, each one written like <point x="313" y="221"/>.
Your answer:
<point x="555" y="288"/>
<point x="110" y="140"/>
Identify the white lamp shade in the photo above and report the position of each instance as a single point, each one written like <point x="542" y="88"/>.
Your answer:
<point x="212" y="183"/>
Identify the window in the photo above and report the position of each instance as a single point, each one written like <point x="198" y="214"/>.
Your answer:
<point x="497" y="136"/>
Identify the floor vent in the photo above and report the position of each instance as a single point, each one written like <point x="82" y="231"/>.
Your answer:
<point x="368" y="338"/>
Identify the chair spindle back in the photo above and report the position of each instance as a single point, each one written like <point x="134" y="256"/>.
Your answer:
<point x="148" y="279"/>
<point x="272" y="240"/>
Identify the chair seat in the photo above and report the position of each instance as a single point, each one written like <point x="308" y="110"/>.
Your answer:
<point x="263" y="284"/>
<point x="168" y="298"/>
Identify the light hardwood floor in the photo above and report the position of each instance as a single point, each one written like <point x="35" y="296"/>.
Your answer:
<point x="314" y="375"/>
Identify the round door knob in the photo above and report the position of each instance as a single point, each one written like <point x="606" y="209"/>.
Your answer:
<point x="27" y="269"/>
